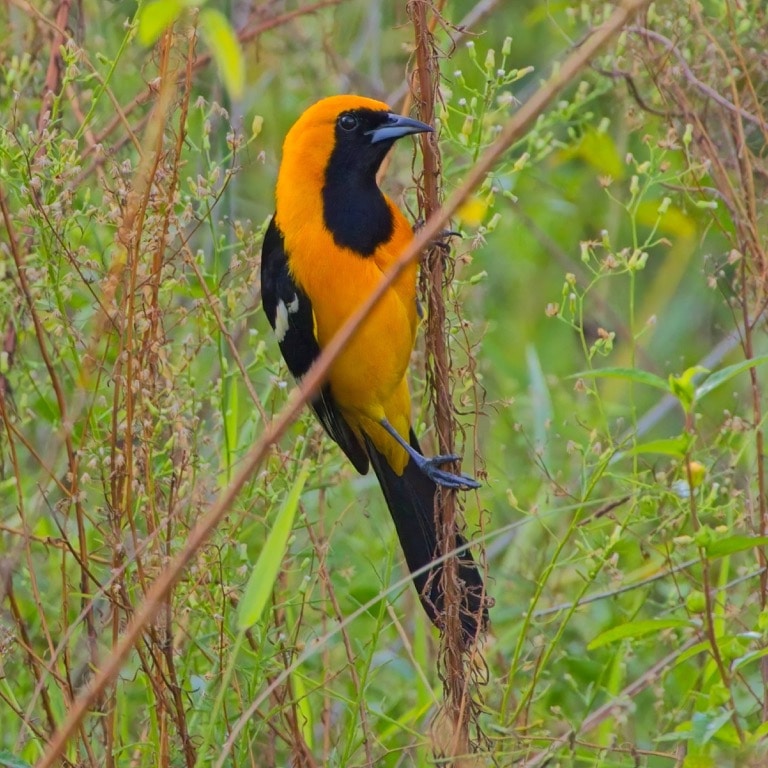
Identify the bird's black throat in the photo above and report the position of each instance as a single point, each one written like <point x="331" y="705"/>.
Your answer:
<point x="355" y="210"/>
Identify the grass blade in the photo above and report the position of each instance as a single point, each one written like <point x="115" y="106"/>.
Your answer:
<point x="262" y="579"/>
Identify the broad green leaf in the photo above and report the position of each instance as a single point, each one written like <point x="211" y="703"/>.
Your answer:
<point x="637" y="629"/>
<point x="225" y="48"/>
<point x="155" y="17"/>
<point x="731" y="544"/>
<point x="672" y="446"/>
<point x="682" y="732"/>
<point x="306" y="712"/>
<point x="726" y="374"/>
<point x="630" y="374"/>
<point x="264" y="574"/>
<point x="699" y="759"/>
<point x="759" y="733"/>
<point x="541" y="401"/>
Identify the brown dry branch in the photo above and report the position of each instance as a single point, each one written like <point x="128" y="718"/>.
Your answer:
<point x="424" y="83"/>
<point x="9" y="349"/>
<point x="157" y="593"/>
<point x="149" y="359"/>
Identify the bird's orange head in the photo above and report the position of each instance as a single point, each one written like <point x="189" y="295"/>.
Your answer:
<point x="354" y="132"/>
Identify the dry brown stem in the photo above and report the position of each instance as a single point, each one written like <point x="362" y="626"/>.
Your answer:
<point x="424" y="83"/>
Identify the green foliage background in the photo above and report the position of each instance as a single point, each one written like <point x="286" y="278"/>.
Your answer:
<point x="620" y="512"/>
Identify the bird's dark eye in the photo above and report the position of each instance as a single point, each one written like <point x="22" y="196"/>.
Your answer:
<point x="347" y="122"/>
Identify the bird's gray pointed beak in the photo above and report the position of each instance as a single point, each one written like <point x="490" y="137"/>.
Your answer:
<point x="396" y="127"/>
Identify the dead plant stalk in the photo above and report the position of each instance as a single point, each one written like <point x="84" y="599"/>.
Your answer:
<point x="424" y="86"/>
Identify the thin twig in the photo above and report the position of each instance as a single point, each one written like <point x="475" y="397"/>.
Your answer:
<point x="55" y="66"/>
<point x="709" y="92"/>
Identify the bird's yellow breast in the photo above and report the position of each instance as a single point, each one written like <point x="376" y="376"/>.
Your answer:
<point x="337" y="281"/>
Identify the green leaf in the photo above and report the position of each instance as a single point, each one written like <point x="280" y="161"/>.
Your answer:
<point x="705" y="726"/>
<point x="262" y="580"/>
<point x="694" y="650"/>
<point x="727" y="373"/>
<point x="637" y="629"/>
<point x="155" y="17"/>
<point x="759" y="733"/>
<point x="731" y="544"/>
<point x="305" y="710"/>
<point x="630" y="374"/>
<point x="231" y="419"/>
<point x="749" y="658"/>
<point x="9" y="760"/>
<point x="681" y="733"/>
<point x="541" y="400"/>
<point x="682" y="386"/>
<point x="225" y="48"/>
<point x="672" y="446"/>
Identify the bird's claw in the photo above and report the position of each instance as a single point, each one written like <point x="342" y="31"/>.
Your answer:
<point x="431" y="468"/>
<point x="443" y="240"/>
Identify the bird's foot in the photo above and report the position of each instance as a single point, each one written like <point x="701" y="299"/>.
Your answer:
<point x="443" y="240"/>
<point x="431" y="468"/>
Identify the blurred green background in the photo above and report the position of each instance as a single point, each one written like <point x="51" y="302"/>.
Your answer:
<point x="138" y="370"/>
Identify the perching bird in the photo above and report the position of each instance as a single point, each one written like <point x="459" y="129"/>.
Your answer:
<point x="333" y="237"/>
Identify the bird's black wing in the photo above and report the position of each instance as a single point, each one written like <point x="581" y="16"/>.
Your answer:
<point x="289" y="312"/>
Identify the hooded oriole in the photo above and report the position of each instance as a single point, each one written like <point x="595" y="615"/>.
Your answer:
<point x="332" y="238"/>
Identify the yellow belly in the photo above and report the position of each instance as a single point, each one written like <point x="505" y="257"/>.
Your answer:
<point x="368" y="378"/>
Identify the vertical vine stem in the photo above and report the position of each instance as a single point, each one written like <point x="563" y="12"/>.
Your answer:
<point x="424" y="82"/>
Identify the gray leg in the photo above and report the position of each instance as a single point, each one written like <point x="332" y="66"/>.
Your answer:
<point x="430" y="467"/>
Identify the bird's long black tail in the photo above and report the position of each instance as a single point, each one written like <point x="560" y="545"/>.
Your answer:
<point x="410" y="498"/>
